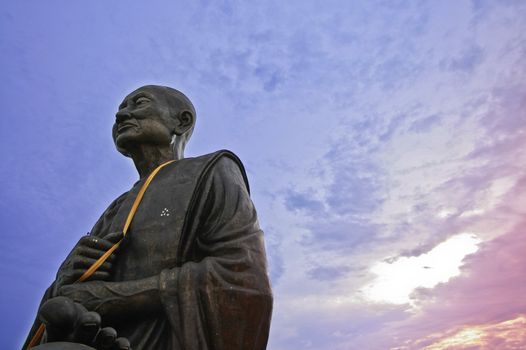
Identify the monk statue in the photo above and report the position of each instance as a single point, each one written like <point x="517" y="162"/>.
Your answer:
<point x="180" y="257"/>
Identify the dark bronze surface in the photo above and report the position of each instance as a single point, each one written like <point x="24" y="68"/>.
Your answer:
<point x="62" y="346"/>
<point x="191" y="273"/>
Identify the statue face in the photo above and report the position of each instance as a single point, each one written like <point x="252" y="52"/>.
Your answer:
<point x="143" y="117"/>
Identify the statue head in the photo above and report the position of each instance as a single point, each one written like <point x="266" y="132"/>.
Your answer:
<point x="155" y="115"/>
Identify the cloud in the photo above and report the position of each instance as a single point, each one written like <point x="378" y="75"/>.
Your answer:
<point x="489" y="292"/>
<point x="328" y="273"/>
<point x="297" y="201"/>
<point x="466" y="62"/>
<point x="340" y="236"/>
<point x="509" y="334"/>
<point x="425" y="124"/>
<point x="396" y="280"/>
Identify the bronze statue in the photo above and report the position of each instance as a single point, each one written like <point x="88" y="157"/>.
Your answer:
<point x="191" y="271"/>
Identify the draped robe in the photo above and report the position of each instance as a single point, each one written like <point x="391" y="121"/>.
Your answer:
<point x="196" y="228"/>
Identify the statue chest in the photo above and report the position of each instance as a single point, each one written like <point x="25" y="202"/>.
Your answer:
<point x="152" y="242"/>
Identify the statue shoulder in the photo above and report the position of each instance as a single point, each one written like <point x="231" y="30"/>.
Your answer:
<point x="219" y="162"/>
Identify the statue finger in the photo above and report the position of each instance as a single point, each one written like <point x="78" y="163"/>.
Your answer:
<point x="93" y="253"/>
<point x="96" y="243"/>
<point x="59" y="315"/>
<point x="121" y="344"/>
<point x="81" y="262"/>
<point x="106" y="266"/>
<point x="90" y="241"/>
<point x="100" y="276"/>
<point x="76" y="274"/>
<point x="87" y="328"/>
<point x="69" y="277"/>
<point x="114" y="237"/>
<point x="106" y="338"/>
<point x="83" y="240"/>
<point x="85" y="263"/>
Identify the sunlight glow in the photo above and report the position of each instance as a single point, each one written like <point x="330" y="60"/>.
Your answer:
<point x="510" y="334"/>
<point x="397" y="280"/>
<point x="468" y="336"/>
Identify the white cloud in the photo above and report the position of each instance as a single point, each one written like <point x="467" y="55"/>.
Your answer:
<point x="397" y="280"/>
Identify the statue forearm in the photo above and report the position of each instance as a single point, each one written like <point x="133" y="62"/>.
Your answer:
<point x="117" y="299"/>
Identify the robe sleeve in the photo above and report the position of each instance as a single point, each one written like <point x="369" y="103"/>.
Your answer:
<point x="221" y="299"/>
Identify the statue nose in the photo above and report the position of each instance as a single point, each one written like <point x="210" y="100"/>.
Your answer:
<point x="121" y="116"/>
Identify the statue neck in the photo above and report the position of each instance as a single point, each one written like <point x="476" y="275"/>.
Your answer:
<point x="148" y="157"/>
<point x="178" y="144"/>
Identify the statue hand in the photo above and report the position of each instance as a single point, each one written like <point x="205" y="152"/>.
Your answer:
<point x="89" y="294"/>
<point x="83" y="255"/>
<point x="68" y="321"/>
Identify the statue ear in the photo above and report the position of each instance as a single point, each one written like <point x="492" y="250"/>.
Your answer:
<point x="185" y="121"/>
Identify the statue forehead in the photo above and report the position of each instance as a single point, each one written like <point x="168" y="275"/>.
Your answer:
<point x="174" y="98"/>
<point x="152" y="89"/>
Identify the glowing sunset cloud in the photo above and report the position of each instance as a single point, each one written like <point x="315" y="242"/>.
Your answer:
<point x="510" y="334"/>
<point x="484" y="308"/>
<point x="397" y="280"/>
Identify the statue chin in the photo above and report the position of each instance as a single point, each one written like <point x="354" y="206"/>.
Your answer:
<point x="62" y="346"/>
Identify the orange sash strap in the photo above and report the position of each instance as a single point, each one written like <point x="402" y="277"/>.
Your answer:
<point x="89" y="272"/>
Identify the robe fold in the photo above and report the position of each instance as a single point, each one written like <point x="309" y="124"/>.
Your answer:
<point x="196" y="228"/>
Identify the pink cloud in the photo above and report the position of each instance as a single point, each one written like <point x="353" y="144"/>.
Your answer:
<point x="506" y="335"/>
<point x="489" y="293"/>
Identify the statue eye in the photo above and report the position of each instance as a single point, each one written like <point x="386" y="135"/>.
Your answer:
<point x="142" y="101"/>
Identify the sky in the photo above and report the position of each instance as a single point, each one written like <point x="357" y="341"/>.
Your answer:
<point x="383" y="140"/>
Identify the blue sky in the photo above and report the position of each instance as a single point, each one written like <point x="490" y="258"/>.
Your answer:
<point x="374" y="135"/>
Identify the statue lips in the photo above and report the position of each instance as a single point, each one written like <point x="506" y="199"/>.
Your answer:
<point x="125" y="125"/>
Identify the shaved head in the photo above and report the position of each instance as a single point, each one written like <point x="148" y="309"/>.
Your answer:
<point x="175" y="99"/>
